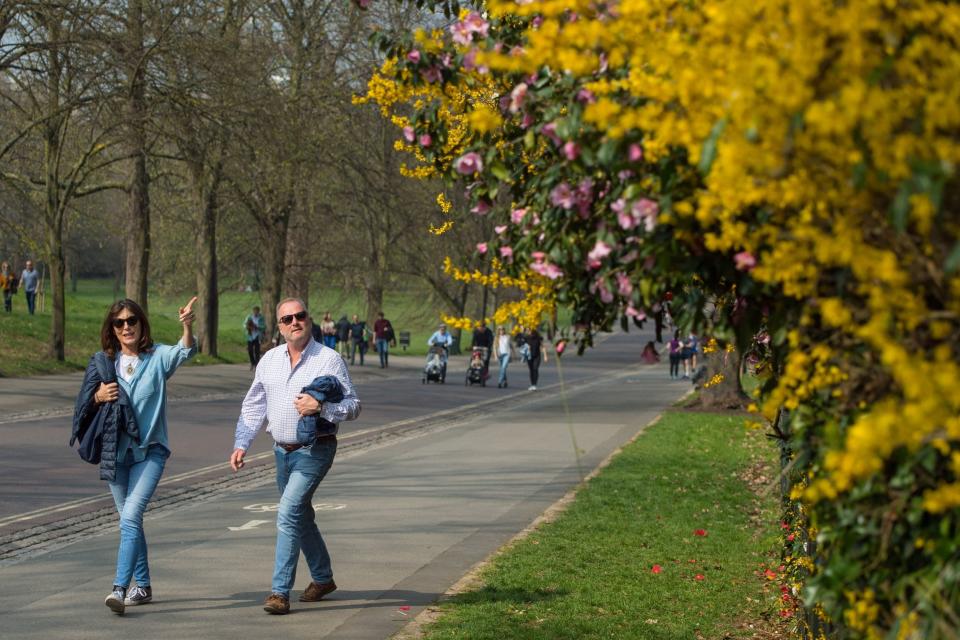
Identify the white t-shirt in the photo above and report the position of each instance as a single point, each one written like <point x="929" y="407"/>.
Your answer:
<point x="127" y="366"/>
<point x="504" y="344"/>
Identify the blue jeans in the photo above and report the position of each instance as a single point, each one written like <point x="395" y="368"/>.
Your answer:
<point x="31" y="300"/>
<point x="330" y="341"/>
<point x="132" y="489"/>
<point x="382" y="346"/>
<point x="504" y="362"/>
<point x="298" y="475"/>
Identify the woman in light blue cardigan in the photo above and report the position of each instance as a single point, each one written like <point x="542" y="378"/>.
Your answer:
<point x="142" y="371"/>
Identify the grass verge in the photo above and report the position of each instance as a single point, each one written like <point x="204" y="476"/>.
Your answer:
<point x="669" y="541"/>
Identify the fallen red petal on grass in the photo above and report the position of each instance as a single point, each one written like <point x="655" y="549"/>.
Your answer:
<point x="771" y="575"/>
<point x="700" y="532"/>
<point x="405" y="607"/>
<point x="657" y="569"/>
<point x="699" y="576"/>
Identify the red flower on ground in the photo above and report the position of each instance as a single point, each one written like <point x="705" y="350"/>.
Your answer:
<point x="700" y="532"/>
<point x="657" y="569"/>
<point x="699" y="576"/>
<point x="771" y="575"/>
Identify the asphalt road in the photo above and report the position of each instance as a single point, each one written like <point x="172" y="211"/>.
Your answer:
<point x="404" y="519"/>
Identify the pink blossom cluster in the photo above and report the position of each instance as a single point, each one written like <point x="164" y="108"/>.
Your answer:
<point x="463" y="30"/>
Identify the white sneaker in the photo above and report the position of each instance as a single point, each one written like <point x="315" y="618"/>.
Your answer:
<point x="532" y="387"/>
<point x="115" y="600"/>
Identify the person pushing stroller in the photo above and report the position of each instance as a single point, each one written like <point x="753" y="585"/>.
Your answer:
<point x="438" y="353"/>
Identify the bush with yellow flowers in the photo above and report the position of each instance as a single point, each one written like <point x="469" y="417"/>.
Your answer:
<point x="786" y="173"/>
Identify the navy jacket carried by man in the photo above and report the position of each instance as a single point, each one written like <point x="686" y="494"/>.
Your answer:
<point x="98" y="427"/>
<point x="322" y="389"/>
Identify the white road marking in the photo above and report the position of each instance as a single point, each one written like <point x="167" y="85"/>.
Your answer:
<point x="252" y="524"/>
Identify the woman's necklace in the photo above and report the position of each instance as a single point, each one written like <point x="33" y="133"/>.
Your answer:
<point x="131" y="363"/>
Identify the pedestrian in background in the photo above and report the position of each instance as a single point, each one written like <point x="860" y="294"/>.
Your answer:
<point x="328" y="329"/>
<point x="28" y="282"/>
<point x="482" y="337"/>
<point x="343" y="336"/>
<point x="675" y="347"/>
<point x="383" y="333"/>
<point x="142" y="370"/>
<point x="358" y="339"/>
<point x="254" y="326"/>
<point x="276" y="398"/>
<point x="537" y="353"/>
<point x="504" y="351"/>
<point x="8" y="282"/>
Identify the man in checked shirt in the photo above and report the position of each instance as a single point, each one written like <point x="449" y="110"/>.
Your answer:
<point x="275" y="398"/>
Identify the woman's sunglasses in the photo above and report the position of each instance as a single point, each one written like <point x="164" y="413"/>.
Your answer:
<point x="132" y="321"/>
<point x="299" y="315"/>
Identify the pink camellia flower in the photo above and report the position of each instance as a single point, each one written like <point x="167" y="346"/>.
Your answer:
<point x="571" y="150"/>
<point x="624" y="217"/>
<point x="646" y="209"/>
<point x="551" y="271"/>
<point x="600" y="251"/>
<point x="625" y="174"/>
<point x="606" y="296"/>
<point x="624" y="286"/>
<point x="656" y="569"/>
<point x="536" y="22"/>
<point x="586" y="96"/>
<point x="414" y="56"/>
<point x="463" y="31"/>
<point x="481" y="248"/>
<point x="563" y="196"/>
<point x="470" y="60"/>
<point x="527" y="121"/>
<point x="517" y="97"/>
<point x="409" y="134"/>
<point x="584" y="197"/>
<point x="461" y="34"/>
<point x="482" y="208"/>
<point x="538" y="256"/>
<point x="425" y="140"/>
<point x="550" y="130"/>
<point x="635" y="153"/>
<point x="506" y="252"/>
<point x="469" y="163"/>
<point x="634" y="313"/>
<point x="516" y="216"/>
<point x="745" y="261"/>
<point x="499" y="229"/>
<point x="431" y="75"/>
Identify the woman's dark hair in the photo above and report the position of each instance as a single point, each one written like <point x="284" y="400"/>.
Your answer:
<point x="108" y="338"/>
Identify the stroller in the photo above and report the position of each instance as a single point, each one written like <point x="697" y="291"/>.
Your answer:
<point x="435" y="370"/>
<point x="477" y="371"/>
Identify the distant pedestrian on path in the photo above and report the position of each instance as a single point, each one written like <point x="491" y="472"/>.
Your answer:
<point x="343" y="336"/>
<point x="7" y="283"/>
<point x="255" y="326"/>
<point x="328" y="329"/>
<point x="482" y="337"/>
<point x="358" y="339"/>
<point x="142" y="370"/>
<point x="650" y="355"/>
<point x="504" y="351"/>
<point x="675" y="346"/>
<point x="383" y="333"/>
<point x="536" y="352"/>
<point x="276" y="398"/>
<point x="28" y="282"/>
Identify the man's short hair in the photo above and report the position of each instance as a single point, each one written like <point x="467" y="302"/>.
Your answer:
<point x="286" y="300"/>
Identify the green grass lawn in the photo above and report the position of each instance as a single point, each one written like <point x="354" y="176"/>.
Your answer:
<point x="24" y="339"/>
<point x="591" y="572"/>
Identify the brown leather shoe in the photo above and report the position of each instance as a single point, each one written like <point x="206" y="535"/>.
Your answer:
<point x="315" y="592"/>
<point x="276" y="604"/>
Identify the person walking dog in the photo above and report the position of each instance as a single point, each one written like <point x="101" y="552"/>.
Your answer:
<point x="284" y="394"/>
<point x="124" y="397"/>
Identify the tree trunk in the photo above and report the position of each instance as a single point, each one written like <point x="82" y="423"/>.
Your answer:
<point x="718" y="380"/>
<point x="57" y="286"/>
<point x="138" y="231"/>
<point x="274" y="239"/>
<point x="53" y="212"/>
<point x="206" y="189"/>
<point x="299" y="241"/>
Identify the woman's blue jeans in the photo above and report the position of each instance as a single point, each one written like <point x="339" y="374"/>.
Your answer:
<point x="132" y="489"/>
<point x="330" y="341"/>
<point x="298" y="475"/>
<point x="504" y="362"/>
<point x="383" y="347"/>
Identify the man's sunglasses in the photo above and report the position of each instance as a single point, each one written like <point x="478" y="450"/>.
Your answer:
<point x="299" y="315"/>
<point x="132" y="321"/>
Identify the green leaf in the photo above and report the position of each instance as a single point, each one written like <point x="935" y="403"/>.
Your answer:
<point x="953" y="260"/>
<point x="500" y="171"/>
<point x="901" y="206"/>
<point x="607" y="152"/>
<point x="709" y="152"/>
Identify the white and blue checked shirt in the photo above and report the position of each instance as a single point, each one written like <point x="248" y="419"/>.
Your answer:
<point x="276" y="385"/>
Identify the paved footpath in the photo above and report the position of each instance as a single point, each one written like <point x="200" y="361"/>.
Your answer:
<point x="403" y="521"/>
